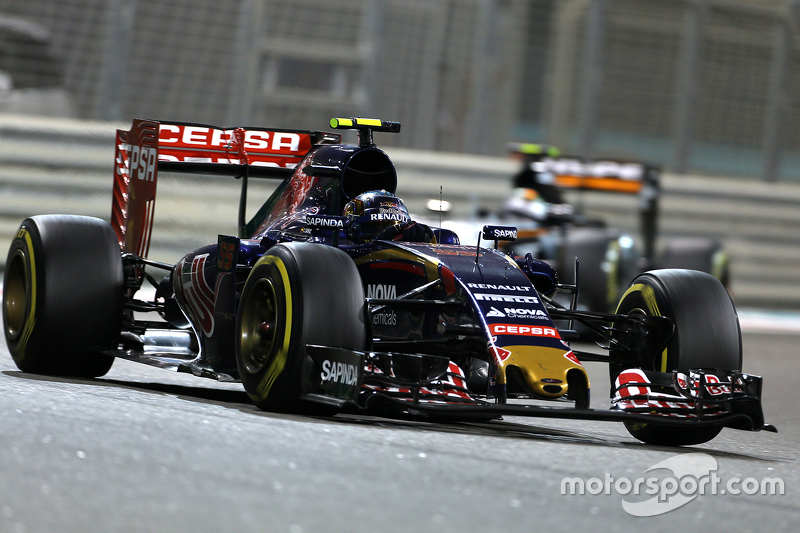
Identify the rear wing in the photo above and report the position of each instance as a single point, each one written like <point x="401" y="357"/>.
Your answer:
<point x="150" y="146"/>
<point x="573" y="172"/>
<point x="606" y="175"/>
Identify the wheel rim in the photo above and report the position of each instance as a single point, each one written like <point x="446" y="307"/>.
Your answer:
<point x="15" y="296"/>
<point x="259" y="326"/>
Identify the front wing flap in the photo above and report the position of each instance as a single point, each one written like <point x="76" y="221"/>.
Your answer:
<point x="699" y="394"/>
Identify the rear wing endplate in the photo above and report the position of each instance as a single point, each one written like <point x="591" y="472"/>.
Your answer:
<point x="150" y="146"/>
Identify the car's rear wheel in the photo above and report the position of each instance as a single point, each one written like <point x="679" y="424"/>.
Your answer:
<point x="605" y="265"/>
<point x="297" y="294"/>
<point x="697" y="253"/>
<point x="62" y="296"/>
<point x="707" y="335"/>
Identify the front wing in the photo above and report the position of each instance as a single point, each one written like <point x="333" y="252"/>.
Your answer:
<point x="428" y="385"/>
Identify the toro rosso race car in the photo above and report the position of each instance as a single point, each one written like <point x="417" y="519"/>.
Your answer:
<point x="332" y="298"/>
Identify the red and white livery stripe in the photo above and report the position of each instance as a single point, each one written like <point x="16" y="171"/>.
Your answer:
<point x="635" y="393"/>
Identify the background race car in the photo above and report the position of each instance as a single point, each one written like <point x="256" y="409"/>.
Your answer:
<point x="557" y="231"/>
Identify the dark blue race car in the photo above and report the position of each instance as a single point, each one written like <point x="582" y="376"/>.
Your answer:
<point x="332" y="299"/>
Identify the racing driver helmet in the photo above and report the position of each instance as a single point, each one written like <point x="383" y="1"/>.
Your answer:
<point x="372" y="212"/>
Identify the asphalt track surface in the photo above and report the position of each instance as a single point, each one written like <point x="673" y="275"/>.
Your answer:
<point x="147" y="450"/>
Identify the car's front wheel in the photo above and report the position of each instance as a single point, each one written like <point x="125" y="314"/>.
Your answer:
<point x="297" y="294"/>
<point x="707" y="336"/>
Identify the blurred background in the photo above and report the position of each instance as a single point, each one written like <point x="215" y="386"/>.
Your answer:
<point x="707" y="89"/>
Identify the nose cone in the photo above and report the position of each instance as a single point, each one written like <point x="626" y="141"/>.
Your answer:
<point x="543" y="371"/>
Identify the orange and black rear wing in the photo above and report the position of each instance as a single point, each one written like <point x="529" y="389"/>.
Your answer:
<point x="582" y="173"/>
<point x="608" y="175"/>
<point x="150" y="146"/>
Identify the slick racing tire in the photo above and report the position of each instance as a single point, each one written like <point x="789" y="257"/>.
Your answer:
<point x="707" y="335"/>
<point x="62" y="296"/>
<point x="697" y="253"/>
<point x="605" y="265"/>
<point x="297" y="294"/>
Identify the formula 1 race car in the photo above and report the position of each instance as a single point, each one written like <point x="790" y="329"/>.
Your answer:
<point x="332" y="298"/>
<point x="556" y="231"/>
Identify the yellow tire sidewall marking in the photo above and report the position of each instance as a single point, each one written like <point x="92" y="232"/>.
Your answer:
<point x="279" y="362"/>
<point x="31" y="318"/>
<point x="612" y="259"/>
<point x="719" y="263"/>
